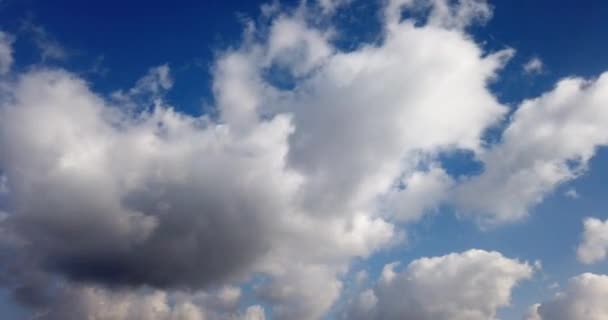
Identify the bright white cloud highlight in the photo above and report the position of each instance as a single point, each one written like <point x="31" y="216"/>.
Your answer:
<point x="594" y="245"/>
<point x="548" y="142"/>
<point x="422" y="191"/>
<point x="460" y="286"/>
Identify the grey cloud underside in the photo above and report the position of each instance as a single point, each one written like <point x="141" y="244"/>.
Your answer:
<point x="90" y="222"/>
<point x="584" y="297"/>
<point x="6" y="52"/>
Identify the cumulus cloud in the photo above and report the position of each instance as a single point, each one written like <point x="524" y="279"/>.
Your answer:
<point x="79" y="302"/>
<point x="469" y="285"/>
<point x="548" y="142"/>
<point x="90" y="302"/>
<point x="584" y="298"/>
<point x="150" y="190"/>
<point x="422" y="191"/>
<point x="594" y="245"/>
<point x="392" y="101"/>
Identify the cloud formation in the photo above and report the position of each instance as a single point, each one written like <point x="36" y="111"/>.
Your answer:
<point x="470" y="285"/>
<point x="74" y="303"/>
<point x="549" y="141"/>
<point x="584" y="298"/>
<point x="594" y="245"/>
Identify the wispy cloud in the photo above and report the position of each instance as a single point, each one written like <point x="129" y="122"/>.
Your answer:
<point x="50" y="48"/>
<point x="534" y="66"/>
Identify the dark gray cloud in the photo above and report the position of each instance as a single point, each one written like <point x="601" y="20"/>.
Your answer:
<point x="181" y="213"/>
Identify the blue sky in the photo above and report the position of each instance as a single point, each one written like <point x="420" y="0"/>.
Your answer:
<point x="131" y="37"/>
<point x="275" y="153"/>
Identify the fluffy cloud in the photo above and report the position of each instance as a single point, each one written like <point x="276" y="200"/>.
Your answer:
<point x="469" y="285"/>
<point x="150" y="190"/>
<point x="391" y="97"/>
<point x="95" y="303"/>
<point x="594" y="246"/>
<point x="584" y="298"/>
<point x="549" y="141"/>
<point x="423" y="190"/>
<point x="91" y="302"/>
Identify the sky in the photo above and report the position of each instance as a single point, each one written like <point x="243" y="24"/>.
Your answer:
<point x="322" y="159"/>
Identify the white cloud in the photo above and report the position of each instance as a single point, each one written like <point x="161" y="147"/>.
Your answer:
<point x="330" y="6"/>
<point x="302" y="292"/>
<point x="6" y="52"/>
<point x="152" y="86"/>
<point x="90" y="302"/>
<point x="294" y="45"/>
<point x="157" y="80"/>
<point x="96" y="303"/>
<point x="594" y="245"/>
<point x="254" y="313"/>
<point x="358" y="117"/>
<point x="533" y="66"/>
<point x="532" y="313"/>
<point x="443" y="13"/>
<point x="584" y="298"/>
<point x="548" y="142"/>
<point x="468" y="286"/>
<point x="422" y="191"/>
